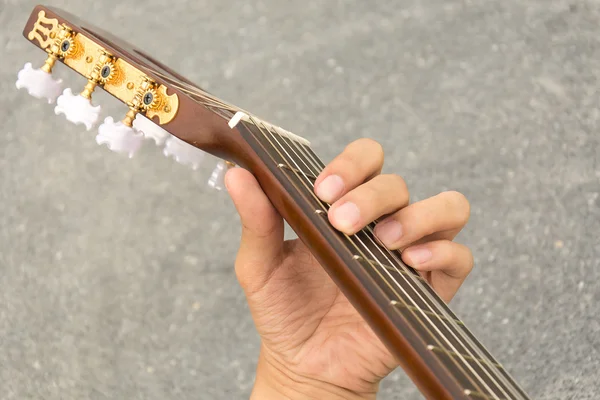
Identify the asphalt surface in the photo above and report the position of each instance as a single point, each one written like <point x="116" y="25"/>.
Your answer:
<point x="116" y="275"/>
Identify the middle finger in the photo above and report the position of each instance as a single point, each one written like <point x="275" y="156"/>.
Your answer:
<point x="381" y="195"/>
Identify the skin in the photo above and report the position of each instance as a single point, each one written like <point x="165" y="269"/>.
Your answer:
<point x="314" y="345"/>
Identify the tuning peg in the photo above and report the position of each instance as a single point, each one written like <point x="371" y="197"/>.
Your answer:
<point x="184" y="153"/>
<point x="78" y="108"/>
<point x="39" y="82"/>
<point x="150" y="130"/>
<point x="217" y="178"/>
<point x="119" y="137"/>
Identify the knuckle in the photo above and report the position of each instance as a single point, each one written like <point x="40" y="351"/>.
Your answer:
<point x="397" y="185"/>
<point x="457" y="204"/>
<point x="370" y="146"/>
<point x="371" y="194"/>
<point x="460" y="259"/>
<point x="468" y="262"/>
<point x="462" y="256"/>
<point x="345" y="165"/>
<point x="399" y="182"/>
<point x="471" y="261"/>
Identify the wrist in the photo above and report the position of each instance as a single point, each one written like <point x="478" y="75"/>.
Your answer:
<point x="276" y="382"/>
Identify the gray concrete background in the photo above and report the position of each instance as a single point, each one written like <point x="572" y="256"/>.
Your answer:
<point x="116" y="278"/>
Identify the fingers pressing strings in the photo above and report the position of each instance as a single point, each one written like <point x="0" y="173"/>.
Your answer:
<point x="360" y="161"/>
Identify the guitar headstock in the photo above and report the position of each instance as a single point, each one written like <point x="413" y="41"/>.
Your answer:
<point x="162" y="105"/>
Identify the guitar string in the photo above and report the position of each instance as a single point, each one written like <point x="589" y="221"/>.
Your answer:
<point x="425" y="316"/>
<point x="448" y="321"/>
<point x="219" y="104"/>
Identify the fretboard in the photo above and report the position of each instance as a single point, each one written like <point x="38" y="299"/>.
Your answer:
<point x="406" y="298"/>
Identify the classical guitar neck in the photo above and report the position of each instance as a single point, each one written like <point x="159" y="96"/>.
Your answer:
<point x="433" y="346"/>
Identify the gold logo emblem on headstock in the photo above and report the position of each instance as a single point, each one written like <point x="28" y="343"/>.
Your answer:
<point x="43" y="30"/>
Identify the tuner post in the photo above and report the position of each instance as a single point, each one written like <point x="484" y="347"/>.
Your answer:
<point x="146" y="98"/>
<point x="78" y="108"/>
<point x="63" y="46"/>
<point x="89" y="89"/>
<point x="49" y="64"/>
<point x="103" y="72"/>
<point x="129" y="117"/>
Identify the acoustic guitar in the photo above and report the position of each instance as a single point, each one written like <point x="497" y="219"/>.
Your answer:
<point x="433" y="346"/>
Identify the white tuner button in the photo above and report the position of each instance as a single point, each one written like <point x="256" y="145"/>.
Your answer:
<point x="217" y="178"/>
<point x="39" y="83"/>
<point x="77" y="109"/>
<point x="150" y="130"/>
<point x="184" y="153"/>
<point x="119" y="137"/>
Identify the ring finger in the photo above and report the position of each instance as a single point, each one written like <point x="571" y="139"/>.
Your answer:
<point x="439" y="217"/>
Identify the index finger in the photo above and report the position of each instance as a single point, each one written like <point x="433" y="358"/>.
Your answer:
<point x="360" y="161"/>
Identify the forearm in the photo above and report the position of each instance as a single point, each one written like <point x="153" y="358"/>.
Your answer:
<point x="275" y="382"/>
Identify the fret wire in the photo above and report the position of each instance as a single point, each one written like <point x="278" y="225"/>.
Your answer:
<point x="467" y="357"/>
<point x="402" y="304"/>
<point x="296" y="170"/>
<point x="222" y="105"/>
<point x="390" y="268"/>
<point x="507" y="379"/>
<point x="382" y="277"/>
<point x="473" y="347"/>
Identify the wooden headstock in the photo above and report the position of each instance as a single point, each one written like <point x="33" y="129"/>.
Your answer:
<point x="162" y="104"/>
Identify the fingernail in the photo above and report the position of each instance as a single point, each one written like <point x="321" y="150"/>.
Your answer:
<point x="417" y="255"/>
<point x="389" y="232"/>
<point x="346" y="217"/>
<point x="330" y="189"/>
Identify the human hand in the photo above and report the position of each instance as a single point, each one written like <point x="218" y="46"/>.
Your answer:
<point x="314" y="343"/>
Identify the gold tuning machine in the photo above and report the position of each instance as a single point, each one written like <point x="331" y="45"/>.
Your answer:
<point x="64" y="45"/>
<point x="79" y="109"/>
<point x="146" y="98"/>
<point x="103" y="72"/>
<point x="125" y="136"/>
